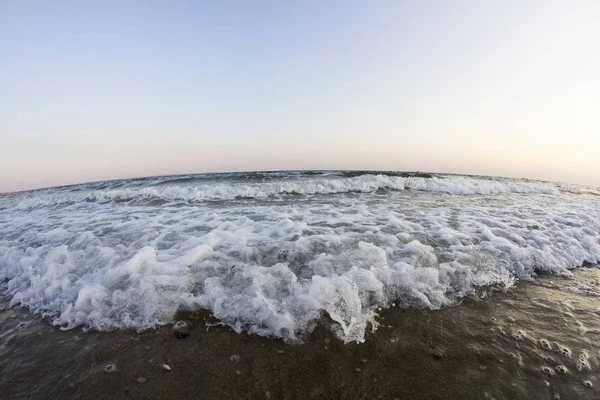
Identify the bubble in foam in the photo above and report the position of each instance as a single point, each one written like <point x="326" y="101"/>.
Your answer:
<point x="564" y="351"/>
<point x="548" y="359"/>
<point x="110" y="368"/>
<point x="582" y="363"/>
<point x="548" y="370"/>
<point x="544" y="344"/>
<point x="519" y="335"/>
<point x="562" y="369"/>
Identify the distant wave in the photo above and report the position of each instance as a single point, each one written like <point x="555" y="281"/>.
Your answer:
<point x="314" y="186"/>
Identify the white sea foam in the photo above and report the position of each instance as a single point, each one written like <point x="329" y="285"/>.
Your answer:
<point x="322" y="185"/>
<point x="276" y="267"/>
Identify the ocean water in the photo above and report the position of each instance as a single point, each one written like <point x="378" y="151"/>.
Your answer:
<point x="275" y="253"/>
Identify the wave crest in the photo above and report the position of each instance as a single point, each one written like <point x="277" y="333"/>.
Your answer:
<point x="231" y="191"/>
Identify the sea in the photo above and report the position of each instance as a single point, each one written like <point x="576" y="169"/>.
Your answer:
<point x="301" y="284"/>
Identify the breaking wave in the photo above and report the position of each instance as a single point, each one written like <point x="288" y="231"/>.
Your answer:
<point x="120" y="255"/>
<point x="365" y="183"/>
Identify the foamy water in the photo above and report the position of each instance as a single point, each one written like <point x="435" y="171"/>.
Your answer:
<point x="272" y="253"/>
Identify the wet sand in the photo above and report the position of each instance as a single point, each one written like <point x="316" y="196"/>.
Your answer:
<point x="487" y="349"/>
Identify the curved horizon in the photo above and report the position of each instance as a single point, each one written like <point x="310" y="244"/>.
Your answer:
<point x="365" y="171"/>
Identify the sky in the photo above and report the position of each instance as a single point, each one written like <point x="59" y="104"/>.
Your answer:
<point x="97" y="90"/>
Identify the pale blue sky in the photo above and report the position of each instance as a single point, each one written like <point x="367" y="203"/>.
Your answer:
<point x="93" y="90"/>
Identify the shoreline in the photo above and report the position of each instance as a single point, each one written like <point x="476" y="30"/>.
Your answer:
<point x="473" y="350"/>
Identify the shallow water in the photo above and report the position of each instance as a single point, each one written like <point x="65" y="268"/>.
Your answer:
<point x="506" y="346"/>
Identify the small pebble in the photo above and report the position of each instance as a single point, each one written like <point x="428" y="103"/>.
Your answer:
<point x="165" y="366"/>
<point x="182" y="329"/>
<point x="179" y="325"/>
<point x="235" y="358"/>
<point x="141" y="379"/>
<point x="587" y="384"/>
<point x="238" y="372"/>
